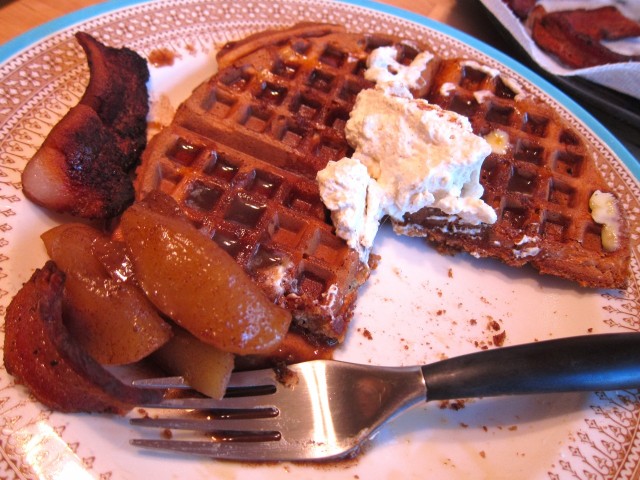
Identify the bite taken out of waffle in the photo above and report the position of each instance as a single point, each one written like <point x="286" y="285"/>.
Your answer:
<point x="242" y="154"/>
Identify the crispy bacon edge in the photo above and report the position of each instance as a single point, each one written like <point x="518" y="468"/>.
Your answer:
<point x="83" y="167"/>
<point x="41" y="354"/>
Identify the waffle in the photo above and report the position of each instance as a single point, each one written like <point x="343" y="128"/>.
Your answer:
<point x="540" y="186"/>
<point x="241" y="158"/>
<point x="242" y="154"/>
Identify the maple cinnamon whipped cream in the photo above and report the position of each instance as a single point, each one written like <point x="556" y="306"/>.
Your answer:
<point x="408" y="155"/>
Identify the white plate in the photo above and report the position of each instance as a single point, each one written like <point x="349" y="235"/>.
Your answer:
<point x="418" y="306"/>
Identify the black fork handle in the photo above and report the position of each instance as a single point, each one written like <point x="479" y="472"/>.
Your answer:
<point x="583" y="363"/>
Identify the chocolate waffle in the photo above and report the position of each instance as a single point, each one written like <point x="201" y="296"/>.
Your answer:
<point x="241" y="158"/>
<point x="242" y="154"/>
<point x="540" y="185"/>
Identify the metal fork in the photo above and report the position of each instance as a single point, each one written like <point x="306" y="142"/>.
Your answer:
<point x="326" y="409"/>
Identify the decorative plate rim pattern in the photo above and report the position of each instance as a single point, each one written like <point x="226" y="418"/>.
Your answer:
<point x="23" y="127"/>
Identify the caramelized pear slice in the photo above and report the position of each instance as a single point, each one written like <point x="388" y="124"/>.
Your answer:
<point x="204" y="367"/>
<point x="40" y="353"/>
<point x="196" y="283"/>
<point x="112" y="319"/>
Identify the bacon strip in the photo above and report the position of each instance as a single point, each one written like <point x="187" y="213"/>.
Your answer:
<point x="569" y="36"/>
<point x="40" y="353"/>
<point x="83" y="167"/>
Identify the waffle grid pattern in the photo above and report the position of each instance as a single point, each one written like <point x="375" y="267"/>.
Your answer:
<point x="241" y="159"/>
<point x="540" y="186"/>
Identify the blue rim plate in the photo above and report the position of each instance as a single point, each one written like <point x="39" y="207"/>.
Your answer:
<point x="417" y="307"/>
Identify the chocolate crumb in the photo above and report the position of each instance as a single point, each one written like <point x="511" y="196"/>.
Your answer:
<point x="483" y="454"/>
<point x="367" y="334"/>
<point x="167" y="434"/>
<point x="162" y="57"/>
<point x="498" y="340"/>
<point x="285" y="375"/>
<point x="450" y="273"/>
<point x="452" y="404"/>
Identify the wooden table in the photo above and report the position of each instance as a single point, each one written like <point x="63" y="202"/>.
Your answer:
<point x="19" y="16"/>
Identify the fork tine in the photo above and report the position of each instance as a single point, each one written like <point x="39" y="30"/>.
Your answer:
<point x="208" y="425"/>
<point x="255" y="382"/>
<point x="256" y="451"/>
<point x="260" y="401"/>
<point x="161" y="382"/>
<point x="252" y="378"/>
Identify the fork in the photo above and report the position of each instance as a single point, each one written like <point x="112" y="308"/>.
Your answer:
<point x="326" y="409"/>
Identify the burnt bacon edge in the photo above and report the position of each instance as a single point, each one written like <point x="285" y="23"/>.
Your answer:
<point x="83" y="166"/>
<point x="41" y="354"/>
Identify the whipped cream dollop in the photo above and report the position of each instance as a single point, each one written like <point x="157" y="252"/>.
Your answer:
<point x="408" y="155"/>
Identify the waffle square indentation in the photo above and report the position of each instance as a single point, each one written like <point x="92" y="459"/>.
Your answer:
<point x="568" y="163"/>
<point x="267" y="257"/>
<point x="522" y="182"/>
<point x="466" y="106"/>
<point x="333" y="57"/>
<point x="264" y="183"/>
<point x="312" y="282"/>
<point x="592" y="238"/>
<point x="568" y="137"/>
<point x="306" y="107"/>
<point x="535" y="125"/>
<point x="184" y="152"/>
<point x="562" y="194"/>
<point x="514" y="215"/>
<point x="301" y="46"/>
<point x="350" y="90"/>
<point x="360" y="68"/>
<point x="529" y="152"/>
<point x="305" y="202"/>
<point x="272" y="93"/>
<point x="555" y="226"/>
<point x="500" y="114"/>
<point x="406" y="53"/>
<point x="321" y="80"/>
<point x="222" y="168"/>
<point x="284" y="69"/>
<point x="228" y="242"/>
<point x="502" y="90"/>
<point x="287" y="230"/>
<point x="255" y="118"/>
<point x="201" y="196"/>
<point x="472" y="78"/>
<point x="337" y="119"/>
<point x="218" y="103"/>
<point x="326" y="247"/>
<point x="168" y="177"/>
<point x="329" y="149"/>
<point x="376" y="41"/>
<point x="245" y="211"/>
<point x="235" y="78"/>
<point x="289" y="133"/>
